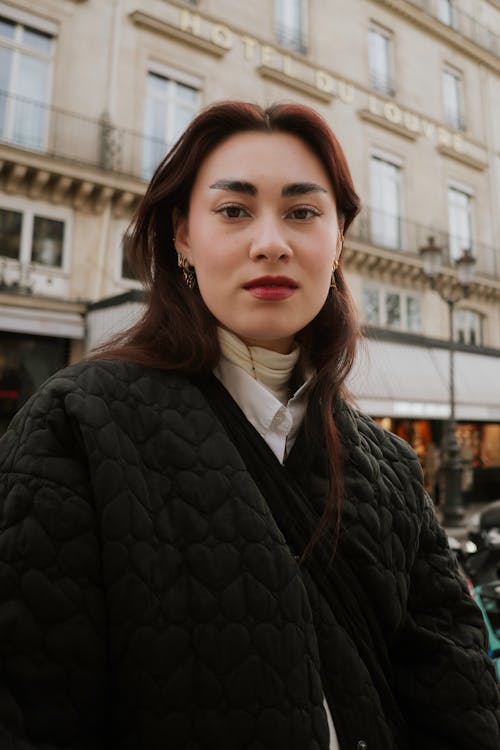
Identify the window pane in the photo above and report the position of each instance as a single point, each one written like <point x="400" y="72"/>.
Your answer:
<point x="10" y="233"/>
<point x="48" y="237"/>
<point x="30" y="114"/>
<point x="386" y="203"/>
<point x="371" y="306"/>
<point x="169" y="108"/>
<point x="7" y="28"/>
<point x="392" y="309"/>
<point x="413" y="321"/>
<point x="5" y="69"/>
<point x="290" y="24"/>
<point x="459" y="216"/>
<point x="468" y="327"/>
<point x="379" y="52"/>
<point x="36" y="40"/>
<point x="451" y="96"/>
<point x="126" y="270"/>
<point x="445" y="11"/>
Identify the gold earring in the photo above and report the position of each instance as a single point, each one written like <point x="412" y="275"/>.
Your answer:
<point x="187" y="271"/>
<point x="333" y="283"/>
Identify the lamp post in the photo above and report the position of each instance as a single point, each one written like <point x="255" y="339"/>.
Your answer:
<point x="431" y="255"/>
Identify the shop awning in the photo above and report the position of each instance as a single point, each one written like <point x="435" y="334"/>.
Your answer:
<point x="42" y="322"/>
<point x="392" y="379"/>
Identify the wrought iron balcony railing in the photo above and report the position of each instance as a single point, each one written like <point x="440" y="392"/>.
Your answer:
<point x="395" y="233"/>
<point x="36" y="126"/>
<point x="464" y="24"/>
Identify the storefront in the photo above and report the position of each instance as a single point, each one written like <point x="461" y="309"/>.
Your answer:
<point x="34" y="343"/>
<point x="406" y="388"/>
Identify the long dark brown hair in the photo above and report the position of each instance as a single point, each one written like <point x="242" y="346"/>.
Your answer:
<point x="177" y="331"/>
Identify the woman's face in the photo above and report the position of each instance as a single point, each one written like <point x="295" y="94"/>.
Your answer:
<point x="262" y="234"/>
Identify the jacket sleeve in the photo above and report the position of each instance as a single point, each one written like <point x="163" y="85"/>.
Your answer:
<point x="446" y="682"/>
<point x="53" y="688"/>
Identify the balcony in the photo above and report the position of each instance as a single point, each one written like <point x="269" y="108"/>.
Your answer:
<point x="393" y="242"/>
<point x="34" y="128"/>
<point x="464" y="24"/>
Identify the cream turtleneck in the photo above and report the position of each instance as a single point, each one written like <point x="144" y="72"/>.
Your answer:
<point x="272" y="369"/>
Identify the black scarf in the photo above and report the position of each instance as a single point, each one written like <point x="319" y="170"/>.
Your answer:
<point x="295" y="495"/>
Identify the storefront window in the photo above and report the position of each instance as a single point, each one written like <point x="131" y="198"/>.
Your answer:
<point x="25" y="362"/>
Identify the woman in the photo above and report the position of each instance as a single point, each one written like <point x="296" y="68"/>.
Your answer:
<point x="204" y="546"/>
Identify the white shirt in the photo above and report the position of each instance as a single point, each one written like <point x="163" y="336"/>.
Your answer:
<point x="276" y="422"/>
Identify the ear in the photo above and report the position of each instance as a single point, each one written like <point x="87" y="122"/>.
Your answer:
<point x="181" y="234"/>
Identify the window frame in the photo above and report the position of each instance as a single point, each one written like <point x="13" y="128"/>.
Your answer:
<point x="296" y="39"/>
<point x="469" y="194"/>
<point x="172" y="76"/>
<point x="386" y="86"/>
<point x="450" y="19"/>
<point x="383" y="291"/>
<point x="119" y="279"/>
<point x="30" y="209"/>
<point x="24" y="19"/>
<point x="468" y="313"/>
<point x="455" y="119"/>
<point x="398" y="163"/>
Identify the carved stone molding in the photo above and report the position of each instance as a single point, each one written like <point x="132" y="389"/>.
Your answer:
<point x="383" y="122"/>
<point x="174" y="32"/>
<point x="463" y="157"/>
<point x="80" y="187"/>
<point x="305" y="88"/>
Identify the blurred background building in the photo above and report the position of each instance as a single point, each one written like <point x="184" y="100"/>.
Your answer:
<point x="93" y="92"/>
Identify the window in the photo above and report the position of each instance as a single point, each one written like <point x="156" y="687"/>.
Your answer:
<point x="459" y="222"/>
<point x="452" y="99"/>
<point x="291" y="24"/>
<point x="445" y="12"/>
<point x="33" y="235"/>
<point x="171" y="104"/>
<point x="385" y="186"/>
<point x="391" y="308"/>
<point x="468" y="327"/>
<point x="124" y="275"/>
<point x="380" y="60"/>
<point x="25" y="71"/>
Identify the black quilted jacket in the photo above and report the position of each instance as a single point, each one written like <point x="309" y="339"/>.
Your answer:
<point x="148" y="599"/>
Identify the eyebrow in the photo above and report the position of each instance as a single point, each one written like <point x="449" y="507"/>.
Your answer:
<point x="247" y="188"/>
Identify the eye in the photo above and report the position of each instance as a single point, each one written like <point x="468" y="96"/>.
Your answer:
<point x="303" y="213"/>
<point x="232" y="211"/>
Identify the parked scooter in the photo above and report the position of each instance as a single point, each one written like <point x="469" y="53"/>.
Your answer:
<point x="479" y="553"/>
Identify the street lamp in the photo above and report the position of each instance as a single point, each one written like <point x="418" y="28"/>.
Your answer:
<point x="431" y="255"/>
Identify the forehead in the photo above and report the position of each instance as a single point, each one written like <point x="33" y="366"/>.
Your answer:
<point x="255" y="156"/>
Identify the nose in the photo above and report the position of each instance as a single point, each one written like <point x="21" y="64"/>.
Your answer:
<point x="269" y="241"/>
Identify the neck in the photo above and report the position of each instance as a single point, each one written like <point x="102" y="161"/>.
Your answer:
<point x="270" y="368"/>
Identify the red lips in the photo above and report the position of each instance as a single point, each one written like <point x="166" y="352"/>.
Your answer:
<point x="271" y="281"/>
<point x="271" y="288"/>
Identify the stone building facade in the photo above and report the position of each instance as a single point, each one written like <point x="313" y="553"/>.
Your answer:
<point x="92" y="93"/>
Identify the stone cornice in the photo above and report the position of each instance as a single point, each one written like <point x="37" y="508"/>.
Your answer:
<point x="80" y="186"/>
<point x="383" y="122"/>
<point x="291" y="82"/>
<point x="462" y="157"/>
<point x="442" y="32"/>
<point x="406" y="268"/>
<point x="174" y="32"/>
